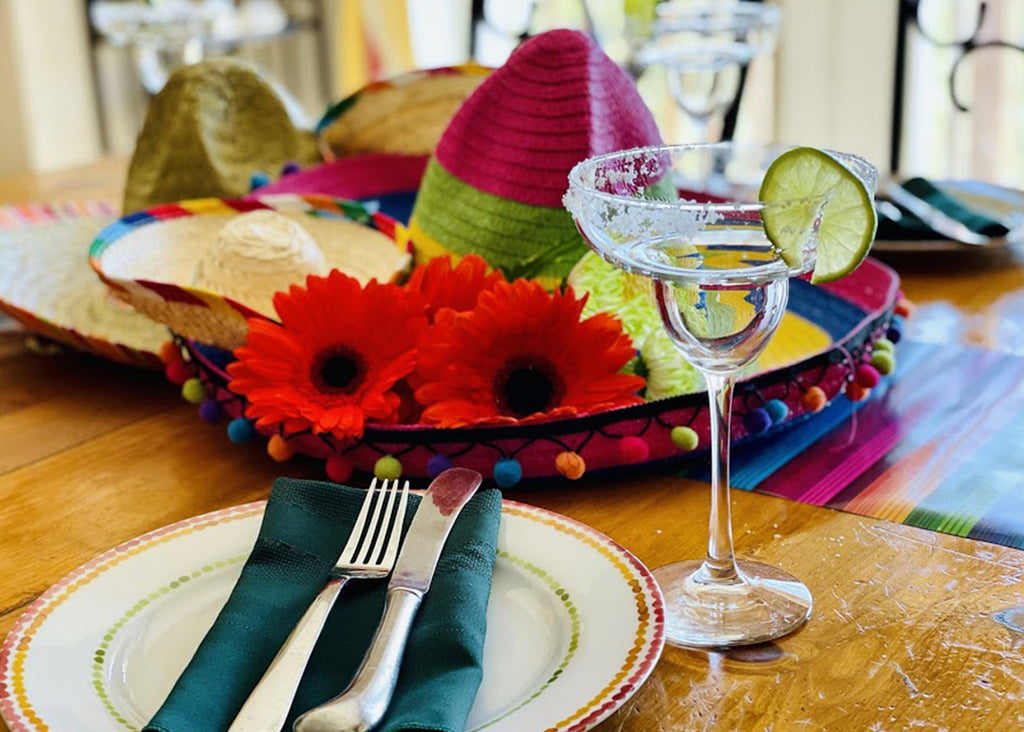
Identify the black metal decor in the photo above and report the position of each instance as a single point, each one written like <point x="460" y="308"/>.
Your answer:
<point x="908" y="15"/>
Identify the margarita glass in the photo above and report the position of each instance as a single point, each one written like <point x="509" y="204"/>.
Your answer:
<point x="688" y="218"/>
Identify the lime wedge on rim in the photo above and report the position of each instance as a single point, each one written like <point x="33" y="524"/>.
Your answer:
<point x="848" y="221"/>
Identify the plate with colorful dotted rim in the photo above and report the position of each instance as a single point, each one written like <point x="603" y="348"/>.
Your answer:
<point x="575" y="626"/>
<point x="828" y="338"/>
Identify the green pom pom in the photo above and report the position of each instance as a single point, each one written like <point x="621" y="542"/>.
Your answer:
<point x="193" y="391"/>
<point x="685" y="438"/>
<point x="884" y="344"/>
<point x="883" y="361"/>
<point x="388" y="468"/>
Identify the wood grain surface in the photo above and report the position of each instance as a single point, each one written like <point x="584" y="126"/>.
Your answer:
<point x="904" y="634"/>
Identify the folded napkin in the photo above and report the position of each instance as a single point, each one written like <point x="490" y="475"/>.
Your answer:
<point x="910" y="227"/>
<point x="305" y="526"/>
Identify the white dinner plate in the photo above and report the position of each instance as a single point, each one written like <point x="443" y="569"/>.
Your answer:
<point x="575" y="625"/>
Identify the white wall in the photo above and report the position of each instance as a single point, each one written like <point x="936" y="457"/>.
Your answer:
<point x="47" y="109"/>
<point x="835" y="64"/>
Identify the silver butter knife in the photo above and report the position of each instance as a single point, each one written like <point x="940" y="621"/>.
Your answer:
<point x="933" y="217"/>
<point x="363" y="704"/>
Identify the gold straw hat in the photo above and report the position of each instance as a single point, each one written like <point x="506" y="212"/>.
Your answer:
<point x="406" y="114"/>
<point x="209" y="129"/>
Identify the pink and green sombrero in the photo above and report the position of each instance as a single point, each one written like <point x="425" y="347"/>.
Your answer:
<point x="494" y="185"/>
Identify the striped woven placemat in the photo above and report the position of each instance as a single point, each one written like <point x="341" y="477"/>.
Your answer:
<point x="940" y="446"/>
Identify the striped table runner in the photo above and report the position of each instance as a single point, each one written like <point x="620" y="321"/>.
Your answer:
<point x="940" y="446"/>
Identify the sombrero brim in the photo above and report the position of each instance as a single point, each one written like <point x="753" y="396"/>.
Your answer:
<point x="854" y="312"/>
<point x="46" y="284"/>
<point x="406" y="114"/>
<point x="385" y="182"/>
<point x="149" y="258"/>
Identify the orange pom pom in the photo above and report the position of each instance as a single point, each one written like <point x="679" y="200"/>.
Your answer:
<point x="279" y="448"/>
<point x="814" y="399"/>
<point x="904" y="308"/>
<point x="856" y="393"/>
<point x="571" y="465"/>
<point x="169" y="352"/>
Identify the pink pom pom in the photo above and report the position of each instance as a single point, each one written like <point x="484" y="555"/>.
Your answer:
<point x="338" y="468"/>
<point x="178" y="372"/>
<point x="867" y="376"/>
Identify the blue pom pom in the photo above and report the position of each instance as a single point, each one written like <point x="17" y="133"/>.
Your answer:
<point x="290" y="167"/>
<point x="241" y="430"/>
<point x="210" y="411"/>
<point x="895" y="331"/>
<point x="507" y="472"/>
<point x="757" y="421"/>
<point x="258" y="180"/>
<point x="777" y="410"/>
<point x="437" y="465"/>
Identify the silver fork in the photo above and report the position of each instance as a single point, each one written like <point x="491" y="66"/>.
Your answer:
<point x="365" y="556"/>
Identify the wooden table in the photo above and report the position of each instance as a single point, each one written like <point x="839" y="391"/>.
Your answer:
<point x="902" y="635"/>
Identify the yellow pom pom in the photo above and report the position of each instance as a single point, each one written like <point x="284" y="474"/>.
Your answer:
<point x="193" y="391"/>
<point x="685" y="438"/>
<point x="883" y="361"/>
<point x="279" y="448"/>
<point x="571" y="465"/>
<point x="388" y="468"/>
<point x="884" y="344"/>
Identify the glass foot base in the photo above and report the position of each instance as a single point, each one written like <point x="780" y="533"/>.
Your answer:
<point x="766" y="603"/>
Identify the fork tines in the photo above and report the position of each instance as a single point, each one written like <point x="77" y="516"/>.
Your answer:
<point x="374" y="541"/>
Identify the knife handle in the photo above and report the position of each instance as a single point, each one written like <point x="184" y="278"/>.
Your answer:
<point x="267" y="706"/>
<point x="363" y="704"/>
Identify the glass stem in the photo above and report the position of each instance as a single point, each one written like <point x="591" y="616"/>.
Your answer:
<point x="720" y="563"/>
<point x="702" y="130"/>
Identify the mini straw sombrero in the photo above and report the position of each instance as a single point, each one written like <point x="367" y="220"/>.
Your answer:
<point x="495" y="183"/>
<point x="178" y="264"/>
<point x="209" y="129"/>
<point x="406" y="114"/>
<point x="46" y="283"/>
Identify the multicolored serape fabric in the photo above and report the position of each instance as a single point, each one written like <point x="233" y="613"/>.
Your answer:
<point x="940" y="446"/>
<point x="16" y="215"/>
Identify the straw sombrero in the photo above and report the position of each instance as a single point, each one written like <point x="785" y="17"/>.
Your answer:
<point x="495" y="183"/>
<point x="46" y="283"/>
<point x="202" y="267"/>
<point x="209" y="129"/>
<point x="406" y="114"/>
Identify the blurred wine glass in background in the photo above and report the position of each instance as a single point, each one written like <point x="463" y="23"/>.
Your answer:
<point x="704" y="50"/>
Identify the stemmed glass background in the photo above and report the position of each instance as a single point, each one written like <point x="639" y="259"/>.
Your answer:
<point x="705" y="50"/>
<point x="721" y="290"/>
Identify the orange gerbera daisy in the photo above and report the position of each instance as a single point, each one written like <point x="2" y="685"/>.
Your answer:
<point x="523" y="355"/>
<point x="457" y="287"/>
<point x="333" y="361"/>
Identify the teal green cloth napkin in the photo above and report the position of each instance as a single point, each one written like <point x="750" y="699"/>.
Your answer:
<point x="910" y="227"/>
<point x="305" y="526"/>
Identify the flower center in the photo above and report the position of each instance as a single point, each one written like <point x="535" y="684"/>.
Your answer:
<point x="338" y="370"/>
<point x="527" y="386"/>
